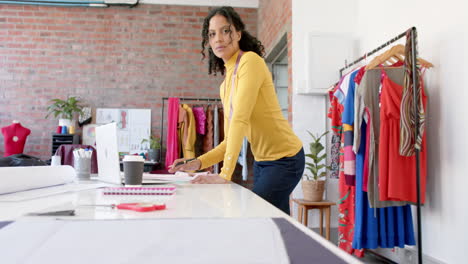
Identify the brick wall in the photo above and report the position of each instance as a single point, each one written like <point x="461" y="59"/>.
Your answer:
<point x="116" y="57"/>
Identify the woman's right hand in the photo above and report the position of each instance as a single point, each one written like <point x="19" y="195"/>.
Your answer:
<point x="185" y="165"/>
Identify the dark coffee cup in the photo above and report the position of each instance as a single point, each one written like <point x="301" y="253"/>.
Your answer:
<point x="133" y="170"/>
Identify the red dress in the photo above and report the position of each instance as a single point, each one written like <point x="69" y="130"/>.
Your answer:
<point x="346" y="203"/>
<point x="397" y="174"/>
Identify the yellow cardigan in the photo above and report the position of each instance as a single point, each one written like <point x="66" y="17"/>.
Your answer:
<point x="256" y="115"/>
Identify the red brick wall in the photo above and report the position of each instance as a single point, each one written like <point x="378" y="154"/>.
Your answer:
<point x="274" y="20"/>
<point x="111" y="58"/>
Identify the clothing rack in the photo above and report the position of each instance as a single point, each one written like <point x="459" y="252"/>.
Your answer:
<point x="187" y="99"/>
<point x="415" y="101"/>
<point x="370" y="53"/>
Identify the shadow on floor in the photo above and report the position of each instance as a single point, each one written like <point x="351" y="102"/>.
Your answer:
<point x="368" y="257"/>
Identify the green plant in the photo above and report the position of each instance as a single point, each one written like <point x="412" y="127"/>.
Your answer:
<point x="153" y="142"/>
<point x="64" y="108"/>
<point x="316" y="166"/>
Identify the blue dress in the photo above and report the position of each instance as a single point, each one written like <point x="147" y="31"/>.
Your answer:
<point x="378" y="227"/>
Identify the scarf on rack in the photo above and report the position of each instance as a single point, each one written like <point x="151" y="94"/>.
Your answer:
<point x="408" y="140"/>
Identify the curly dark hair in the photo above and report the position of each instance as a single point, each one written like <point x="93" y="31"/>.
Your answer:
<point x="246" y="43"/>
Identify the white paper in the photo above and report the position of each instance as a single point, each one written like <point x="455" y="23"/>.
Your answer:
<point x="144" y="241"/>
<point x="14" y="179"/>
<point x="133" y="126"/>
<point x="48" y="191"/>
<point x="177" y="177"/>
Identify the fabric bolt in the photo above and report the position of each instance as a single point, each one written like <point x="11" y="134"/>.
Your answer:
<point x="397" y="173"/>
<point x="256" y="115"/>
<point x="200" y="119"/>
<point x="172" y="148"/>
<point x="367" y="96"/>
<point x="408" y="143"/>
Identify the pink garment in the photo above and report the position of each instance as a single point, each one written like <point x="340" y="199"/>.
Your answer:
<point x="200" y="119"/>
<point x="172" y="150"/>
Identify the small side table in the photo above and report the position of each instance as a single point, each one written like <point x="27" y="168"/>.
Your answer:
<point x="304" y="206"/>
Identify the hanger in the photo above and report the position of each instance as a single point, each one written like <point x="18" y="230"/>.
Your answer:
<point x="394" y="54"/>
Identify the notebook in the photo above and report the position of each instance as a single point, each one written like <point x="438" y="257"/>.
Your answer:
<point x="160" y="190"/>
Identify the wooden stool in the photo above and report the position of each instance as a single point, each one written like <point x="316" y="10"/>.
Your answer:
<point x="304" y="206"/>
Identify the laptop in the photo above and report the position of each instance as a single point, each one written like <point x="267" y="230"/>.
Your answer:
<point x="108" y="159"/>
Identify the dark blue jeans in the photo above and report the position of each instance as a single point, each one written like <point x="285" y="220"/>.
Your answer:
<point x="275" y="180"/>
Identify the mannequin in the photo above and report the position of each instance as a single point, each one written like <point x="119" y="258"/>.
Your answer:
<point x="14" y="138"/>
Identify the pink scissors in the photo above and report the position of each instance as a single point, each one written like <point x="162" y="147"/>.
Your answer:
<point x="138" y="207"/>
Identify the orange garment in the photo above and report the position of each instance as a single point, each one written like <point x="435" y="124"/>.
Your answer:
<point x="182" y="126"/>
<point x="397" y="174"/>
<point x="190" y="134"/>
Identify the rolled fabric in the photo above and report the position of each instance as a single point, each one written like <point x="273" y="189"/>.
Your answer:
<point x="16" y="179"/>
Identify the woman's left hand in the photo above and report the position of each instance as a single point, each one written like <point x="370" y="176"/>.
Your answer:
<point x="209" y="179"/>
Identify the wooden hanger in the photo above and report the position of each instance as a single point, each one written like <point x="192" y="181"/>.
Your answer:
<point x="394" y="54"/>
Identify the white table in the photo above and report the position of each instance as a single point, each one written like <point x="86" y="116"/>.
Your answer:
<point x="190" y="201"/>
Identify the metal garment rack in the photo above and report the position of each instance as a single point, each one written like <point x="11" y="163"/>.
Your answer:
<point x="415" y="101"/>
<point x="183" y="99"/>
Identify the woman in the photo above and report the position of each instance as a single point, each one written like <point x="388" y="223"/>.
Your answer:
<point x="251" y="110"/>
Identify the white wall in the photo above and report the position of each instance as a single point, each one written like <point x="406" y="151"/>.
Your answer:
<point x="309" y="111"/>
<point x="443" y="40"/>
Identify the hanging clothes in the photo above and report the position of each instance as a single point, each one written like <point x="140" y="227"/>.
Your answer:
<point x="346" y="203"/>
<point x="367" y="95"/>
<point x="172" y="150"/>
<point x="408" y="143"/>
<point x="397" y="173"/>
<point x="348" y="129"/>
<point x="378" y="227"/>
<point x="182" y="127"/>
<point x="200" y="119"/>
<point x="209" y="136"/>
<point x="334" y="113"/>
<point x="189" y="134"/>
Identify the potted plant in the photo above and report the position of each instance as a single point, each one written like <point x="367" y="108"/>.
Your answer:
<point x="313" y="183"/>
<point x="154" y="147"/>
<point x="64" y="109"/>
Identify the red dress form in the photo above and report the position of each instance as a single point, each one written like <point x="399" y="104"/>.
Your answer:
<point x="14" y="138"/>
